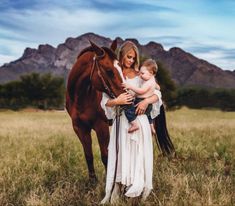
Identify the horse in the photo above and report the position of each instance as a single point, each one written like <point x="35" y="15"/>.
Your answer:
<point x="94" y="72"/>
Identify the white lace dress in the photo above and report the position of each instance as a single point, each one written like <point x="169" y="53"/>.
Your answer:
<point x="135" y="157"/>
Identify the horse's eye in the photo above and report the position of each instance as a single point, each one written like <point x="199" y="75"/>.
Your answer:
<point x="110" y="73"/>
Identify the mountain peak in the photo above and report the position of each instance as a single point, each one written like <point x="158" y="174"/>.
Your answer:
<point x="176" y="51"/>
<point x="135" y="41"/>
<point x="45" y="48"/>
<point x="154" y="45"/>
<point x="28" y="52"/>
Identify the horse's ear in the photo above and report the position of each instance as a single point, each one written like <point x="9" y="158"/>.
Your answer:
<point x="114" y="45"/>
<point x="98" y="50"/>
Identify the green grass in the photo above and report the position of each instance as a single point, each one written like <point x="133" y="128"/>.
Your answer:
<point x="42" y="161"/>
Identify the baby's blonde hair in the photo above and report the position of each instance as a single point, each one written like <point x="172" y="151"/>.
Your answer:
<point x="151" y="66"/>
<point x="124" y="49"/>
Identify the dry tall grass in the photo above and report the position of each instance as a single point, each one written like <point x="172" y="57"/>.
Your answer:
<point x="42" y="161"/>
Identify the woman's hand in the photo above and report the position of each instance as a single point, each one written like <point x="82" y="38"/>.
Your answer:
<point x="124" y="98"/>
<point x="141" y="107"/>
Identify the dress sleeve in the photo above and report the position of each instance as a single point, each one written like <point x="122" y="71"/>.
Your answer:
<point x="156" y="106"/>
<point x="109" y="111"/>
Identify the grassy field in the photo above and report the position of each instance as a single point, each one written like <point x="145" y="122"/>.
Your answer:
<point x="42" y="161"/>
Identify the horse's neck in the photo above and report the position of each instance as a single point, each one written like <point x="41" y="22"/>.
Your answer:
<point x="79" y="77"/>
<point x="81" y="72"/>
<point x="83" y="84"/>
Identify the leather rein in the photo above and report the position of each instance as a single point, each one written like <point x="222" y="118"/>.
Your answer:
<point x="118" y="111"/>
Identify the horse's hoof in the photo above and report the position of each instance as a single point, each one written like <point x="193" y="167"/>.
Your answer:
<point x="93" y="179"/>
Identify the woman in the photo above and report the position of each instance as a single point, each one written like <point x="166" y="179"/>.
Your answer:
<point x="135" y="154"/>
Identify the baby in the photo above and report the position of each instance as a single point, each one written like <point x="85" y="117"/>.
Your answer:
<point x="147" y="73"/>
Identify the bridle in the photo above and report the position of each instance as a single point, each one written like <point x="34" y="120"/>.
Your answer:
<point x="99" y="68"/>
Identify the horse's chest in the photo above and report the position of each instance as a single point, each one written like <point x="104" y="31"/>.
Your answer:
<point x="89" y="108"/>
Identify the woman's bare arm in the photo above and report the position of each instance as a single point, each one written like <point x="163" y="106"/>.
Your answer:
<point x="142" y="106"/>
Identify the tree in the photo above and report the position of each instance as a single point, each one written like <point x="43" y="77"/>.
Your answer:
<point x="168" y="87"/>
<point x="43" y="90"/>
<point x="224" y="99"/>
<point x="12" y="95"/>
<point x="195" y="97"/>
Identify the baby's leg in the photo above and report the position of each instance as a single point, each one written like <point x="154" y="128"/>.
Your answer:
<point x="151" y="121"/>
<point x="131" y="116"/>
<point x="153" y="129"/>
<point x="134" y="126"/>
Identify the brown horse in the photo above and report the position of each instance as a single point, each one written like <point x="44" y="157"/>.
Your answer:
<point x="93" y="73"/>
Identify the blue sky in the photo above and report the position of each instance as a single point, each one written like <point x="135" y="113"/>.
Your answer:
<point x="204" y="28"/>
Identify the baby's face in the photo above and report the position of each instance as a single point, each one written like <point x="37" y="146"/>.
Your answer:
<point x="145" y="74"/>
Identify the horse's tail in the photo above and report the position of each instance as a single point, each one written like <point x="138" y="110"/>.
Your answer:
<point x="164" y="142"/>
<point x="68" y="103"/>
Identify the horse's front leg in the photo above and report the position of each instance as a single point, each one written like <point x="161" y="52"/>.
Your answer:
<point x="84" y="134"/>
<point x="102" y="131"/>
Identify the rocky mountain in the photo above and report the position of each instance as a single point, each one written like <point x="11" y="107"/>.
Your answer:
<point x="185" y="69"/>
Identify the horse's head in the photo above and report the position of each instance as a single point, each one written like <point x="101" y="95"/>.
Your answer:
<point x="106" y="75"/>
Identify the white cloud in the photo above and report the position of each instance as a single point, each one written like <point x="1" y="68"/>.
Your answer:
<point x="218" y="58"/>
<point x="47" y="26"/>
<point x="51" y="25"/>
<point x="6" y="58"/>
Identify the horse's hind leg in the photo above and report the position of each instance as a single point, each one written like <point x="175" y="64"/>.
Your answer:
<point x="84" y="134"/>
<point x="102" y="132"/>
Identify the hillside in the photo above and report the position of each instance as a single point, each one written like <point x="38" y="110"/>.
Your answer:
<point x="185" y="69"/>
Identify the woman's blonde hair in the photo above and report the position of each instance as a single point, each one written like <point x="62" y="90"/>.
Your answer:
<point x="124" y="49"/>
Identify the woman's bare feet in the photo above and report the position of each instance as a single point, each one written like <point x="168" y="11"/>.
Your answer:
<point x="115" y="194"/>
<point x="145" y="194"/>
<point x="106" y="198"/>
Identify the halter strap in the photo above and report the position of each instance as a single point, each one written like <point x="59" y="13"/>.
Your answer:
<point x="93" y="67"/>
<point x="96" y="65"/>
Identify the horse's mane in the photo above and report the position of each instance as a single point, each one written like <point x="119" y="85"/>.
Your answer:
<point x="110" y="52"/>
<point x="88" y="49"/>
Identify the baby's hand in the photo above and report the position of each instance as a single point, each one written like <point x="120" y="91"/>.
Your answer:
<point x="126" y="85"/>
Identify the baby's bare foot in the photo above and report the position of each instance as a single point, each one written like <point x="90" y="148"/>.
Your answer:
<point x="133" y="128"/>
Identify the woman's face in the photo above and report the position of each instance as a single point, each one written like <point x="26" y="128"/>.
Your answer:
<point x="129" y="58"/>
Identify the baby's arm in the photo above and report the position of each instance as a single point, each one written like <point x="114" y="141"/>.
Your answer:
<point x="157" y="86"/>
<point x="137" y="90"/>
